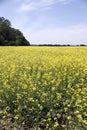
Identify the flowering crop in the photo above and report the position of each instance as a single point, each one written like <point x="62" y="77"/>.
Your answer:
<point x="43" y="88"/>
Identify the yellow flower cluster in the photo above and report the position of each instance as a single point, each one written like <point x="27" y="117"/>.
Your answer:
<point x="44" y="87"/>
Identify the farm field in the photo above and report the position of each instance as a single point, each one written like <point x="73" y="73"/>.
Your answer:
<point x="43" y="88"/>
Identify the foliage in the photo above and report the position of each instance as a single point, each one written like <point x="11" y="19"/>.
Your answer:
<point x="46" y="89"/>
<point x="10" y="36"/>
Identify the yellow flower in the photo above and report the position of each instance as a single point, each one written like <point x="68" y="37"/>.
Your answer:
<point x="16" y="117"/>
<point x="24" y="86"/>
<point x="53" y="88"/>
<point x="18" y="96"/>
<point x="56" y="124"/>
<point x="49" y="119"/>
<point x="85" y="122"/>
<point x="64" y="126"/>
<point x="79" y="117"/>
<point x="55" y="118"/>
<point x="69" y="117"/>
<point x="34" y="88"/>
<point x="48" y="114"/>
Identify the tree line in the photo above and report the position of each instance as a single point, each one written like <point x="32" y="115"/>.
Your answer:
<point x="10" y="36"/>
<point x="58" y="45"/>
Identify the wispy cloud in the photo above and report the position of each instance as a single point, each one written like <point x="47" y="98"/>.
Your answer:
<point x="30" y="5"/>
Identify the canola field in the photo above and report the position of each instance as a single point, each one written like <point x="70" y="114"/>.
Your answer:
<point x="43" y="88"/>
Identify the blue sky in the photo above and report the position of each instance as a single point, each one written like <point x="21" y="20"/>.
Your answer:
<point x="48" y="21"/>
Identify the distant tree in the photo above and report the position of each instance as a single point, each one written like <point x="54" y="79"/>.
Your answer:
<point x="10" y="36"/>
<point x="82" y="44"/>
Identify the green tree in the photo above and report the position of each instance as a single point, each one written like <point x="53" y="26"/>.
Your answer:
<point x="10" y="36"/>
<point x="4" y="22"/>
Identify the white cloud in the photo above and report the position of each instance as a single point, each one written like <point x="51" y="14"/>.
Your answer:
<point x="37" y="32"/>
<point x="69" y="35"/>
<point x="30" y="5"/>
